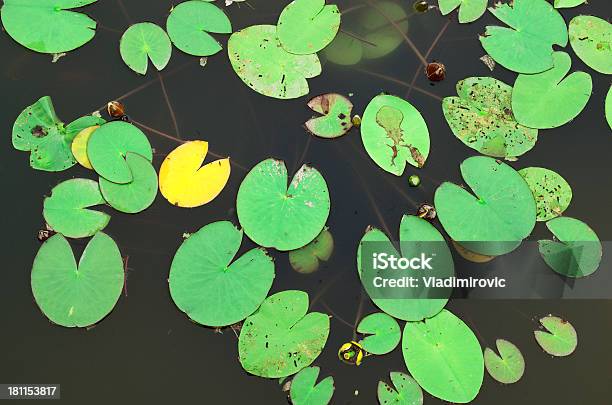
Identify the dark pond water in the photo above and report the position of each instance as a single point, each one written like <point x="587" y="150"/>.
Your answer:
<point x="146" y="351"/>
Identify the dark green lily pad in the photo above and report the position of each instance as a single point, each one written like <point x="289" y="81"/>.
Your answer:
<point x="405" y="391"/>
<point x="306" y="260"/>
<point x="306" y="391"/>
<point x="559" y="339"/>
<point x="551" y="192"/>
<point x="509" y="366"/>
<point x="336" y="113"/>
<point x="383" y="333"/>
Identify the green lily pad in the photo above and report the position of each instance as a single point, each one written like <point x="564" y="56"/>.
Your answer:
<point x="384" y="333"/>
<point x="481" y="117"/>
<point x="137" y="195"/>
<point x="608" y="107"/>
<point x="282" y="338"/>
<point x="469" y="10"/>
<point x="405" y="391"/>
<point x="547" y="100"/>
<point x="274" y="215"/>
<point x="142" y="42"/>
<point x="306" y="391"/>
<point x="578" y="251"/>
<point x="189" y="24"/>
<point x="80" y="296"/>
<point x="262" y="64"/>
<point x="559" y="339"/>
<point x="551" y="192"/>
<point x="497" y="217"/>
<point x="108" y="146"/>
<point x="65" y="210"/>
<point x="209" y="289"/>
<point x="394" y="133"/>
<point x="509" y="366"/>
<point x="444" y="357"/>
<point x="344" y="50"/>
<point x="48" y="26"/>
<point x="336" y="113"/>
<point x="306" y="260"/>
<point x="568" y="3"/>
<point x="527" y="46"/>
<point x="591" y="39"/>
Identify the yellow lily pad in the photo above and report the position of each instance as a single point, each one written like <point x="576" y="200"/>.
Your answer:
<point x="79" y="146"/>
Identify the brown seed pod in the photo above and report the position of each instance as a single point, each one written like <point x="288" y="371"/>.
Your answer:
<point x="427" y="211"/>
<point x="435" y="71"/>
<point x="115" y="109"/>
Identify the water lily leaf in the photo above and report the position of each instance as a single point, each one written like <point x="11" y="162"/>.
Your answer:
<point x="48" y="26"/>
<point x="184" y="182"/>
<point x="578" y="251"/>
<point x="282" y="338"/>
<point x="344" y="50"/>
<point x="525" y="47"/>
<point x="551" y="192"/>
<point x="568" y="3"/>
<point x="394" y="132"/>
<point x="609" y="107"/>
<point x="469" y="10"/>
<point x="497" y="217"/>
<point x="262" y="63"/>
<point x="336" y="113"/>
<point x="307" y="26"/>
<point x="481" y="117"/>
<point x="79" y="146"/>
<point x="65" y="210"/>
<point x="384" y="333"/>
<point x="509" y="366"/>
<point x="559" y="339"/>
<point x="274" y="215"/>
<point x="306" y="391"/>
<point x="591" y="39"/>
<point x="547" y="100"/>
<point x="189" y="24"/>
<point x="306" y="260"/>
<point x="80" y="296"/>
<point x="108" y="146"/>
<point x="209" y="289"/>
<point x="405" y="391"/>
<point x="142" y="42"/>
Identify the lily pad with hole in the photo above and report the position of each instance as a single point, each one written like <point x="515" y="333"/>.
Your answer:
<point x="469" y="10"/>
<point x="481" y="117"/>
<point x="568" y="3"/>
<point x="404" y="391"/>
<point x="66" y="209"/>
<point x="576" y="252"/>
<point x="307" y="259"/>
<point x="559" y="339"/>
<point x="394" y="133"/>
<point x="306" y="391"/>
<point x="551" y="192"/>
<point x="80" y="296"/>
<point x="48" y="26"/>
<point x="79" y="146"/>
<point x="527" y="46"/>
<point x="280" y="216"/>
<point x="211" y="289"/>
<point x="335" y="119"/>
<point x="143" y="42"/>
<point x="499" y="214"/>
<point x="444" y="356"/>
<point x="383" y="333"/>
<point x="591" y="40"/>
<point x="508" y="366"/>
<point x="282" y="337"/>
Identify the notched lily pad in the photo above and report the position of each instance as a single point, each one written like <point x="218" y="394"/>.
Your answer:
<point x="307" y="259"/>
<point x="383" y="333"/>
<point x="336" y="113"/>
<point x="144" y="41"/>
<point x="508" y="366"/>
<point x="559" y="339"/>
<point x="469" y="10"/>
<point x="404" y="391"/>
<point x="551" y="192"/>
<point x="306" y="391"/>
<point x="591" y="39"/>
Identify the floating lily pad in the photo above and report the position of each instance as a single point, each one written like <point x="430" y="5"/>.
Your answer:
<point x="384" y="333"/>
<point x="591" y="39"/>
<point x="209" y="289"/>
<point x="497" y="217"/>
<point x="108" y="146"/>
<point x="79" y="146"/>
<point x="261" y="62"/>
<point x="184" y="182"/>
<point x="444" y="357"/>
<point x="527" y="46"/>
<point x="547" y="99"/>
<point x="65" y="210"/>
<point x="189" y="25"/>
<point x="80" y="296"/>
<point x="509" y="366"/>
<point x="559" y="339"/>
<point x="469" y="10"/>
<point x="405" y="391"/>
<point x="336" y="113"/>
<point x="142" y="42"/>
<point x="48" y="26"/>
<point x="282" y="338"/>
<point x="578" y="250"/>
<point x="481" y="117"/>
<point x="608" y="107"/>
<point x="306" y="391"/>
<point x="274" y="215"/>
<point x="394" y="132"/>
<point x="551" y="192"/>
<point x="568" y="3"/>
<point x="306" y="260"/>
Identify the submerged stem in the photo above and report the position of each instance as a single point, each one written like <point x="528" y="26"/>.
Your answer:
<point x="398" y="81"/>
<point x="169" y="104"/>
